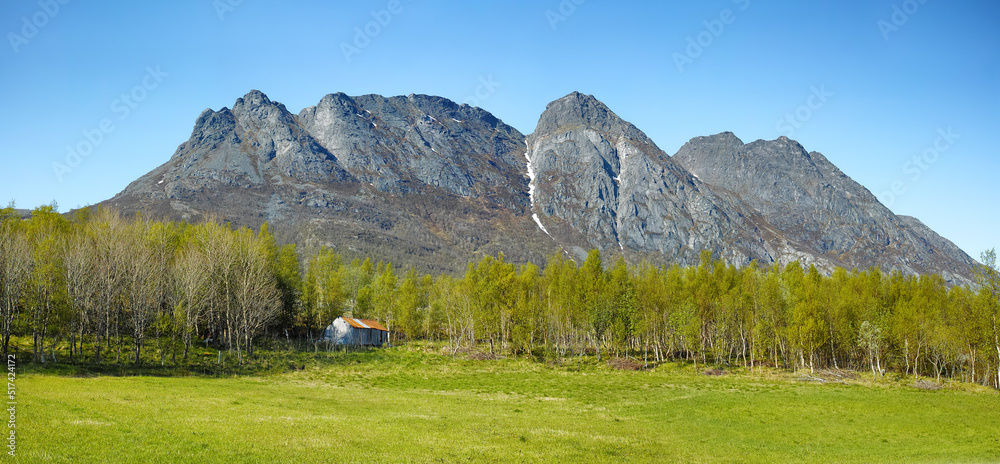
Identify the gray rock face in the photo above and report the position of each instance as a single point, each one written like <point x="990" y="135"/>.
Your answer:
<point x="398" y="144"/>
<point x="606" y="179"/>
<point x="422" y="181"/>
<point x="808" y="200"/>
<point x="269" y="133"/>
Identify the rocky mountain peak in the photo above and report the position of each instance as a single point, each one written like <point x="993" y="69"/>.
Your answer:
<point x="253" y="98"/>
<point x="254" y="108"/>
<point x="576" y="110"/>
<point x="331" y="100"/>
<point x="713" y="152"/>
<point x="577" y="99"/>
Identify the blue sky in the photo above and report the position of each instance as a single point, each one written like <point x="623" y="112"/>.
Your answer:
<point x="890" y="76"/>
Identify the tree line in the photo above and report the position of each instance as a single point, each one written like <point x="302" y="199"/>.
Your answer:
<point x="107" y="286"/>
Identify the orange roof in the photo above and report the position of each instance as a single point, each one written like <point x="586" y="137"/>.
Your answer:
<point x="364" y="324"/>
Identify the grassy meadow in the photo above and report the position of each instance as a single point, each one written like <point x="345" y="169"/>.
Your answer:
<point x="412" y="404"/>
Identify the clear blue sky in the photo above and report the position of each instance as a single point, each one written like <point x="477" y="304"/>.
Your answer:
<point x="887" y="89"/>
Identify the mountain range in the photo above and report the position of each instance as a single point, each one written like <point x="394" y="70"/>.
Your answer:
<point x="422" y="181"/>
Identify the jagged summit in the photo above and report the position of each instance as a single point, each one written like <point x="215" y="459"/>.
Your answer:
<point x="578" y="99"/>
<point x="253" y="98"/>
<point x="400" y="144"/>
<point x="578" y="110"/>
<point x="422" y="180"/>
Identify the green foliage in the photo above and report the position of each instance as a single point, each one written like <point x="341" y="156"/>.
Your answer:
<point x="323" y="294"/>
<point x="106" y="285"/>
<point x="988" y="278"/>
<point x="290" y="283"/>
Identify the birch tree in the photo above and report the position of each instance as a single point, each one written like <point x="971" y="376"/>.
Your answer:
<point x="190" y="279"/>
<point x="255" y="299"/>
<point x="988" y="279"/>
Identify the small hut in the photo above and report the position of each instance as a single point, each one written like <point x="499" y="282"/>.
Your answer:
<point x="356" y="332"/>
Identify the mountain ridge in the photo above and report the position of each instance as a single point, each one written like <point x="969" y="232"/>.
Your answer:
<point x="434" y="184"/>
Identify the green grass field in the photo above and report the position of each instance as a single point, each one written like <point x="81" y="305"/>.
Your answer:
<point x="406" y="405"/>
